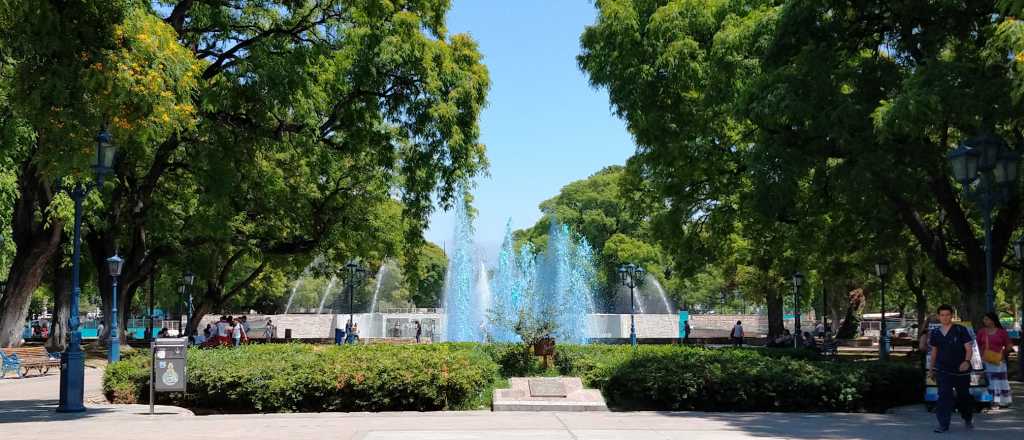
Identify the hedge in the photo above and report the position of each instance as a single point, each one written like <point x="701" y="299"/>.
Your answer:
<point x="296" y="377"/>
<point x="675" y="378"/>
<point x="309" y="378"/>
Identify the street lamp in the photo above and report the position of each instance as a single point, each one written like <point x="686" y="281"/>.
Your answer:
<point x="798" y="280"/>
<point x="356" y="275"/>
<point x="152" y="293"/>
<point x="988" y="160"/>
<point x="114" y="265"/>
<point x="187" y="280"/>
<point x="882" y="270"/>
<point x="629" y="274"/>
<point x="72" y="360"/>
<point x="1018" y="250"/>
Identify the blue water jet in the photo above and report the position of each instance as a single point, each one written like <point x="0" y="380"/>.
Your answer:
<point x="557" y="286"/>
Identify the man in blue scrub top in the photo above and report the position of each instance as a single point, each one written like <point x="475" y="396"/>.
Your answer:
<point x="952" y="347"/>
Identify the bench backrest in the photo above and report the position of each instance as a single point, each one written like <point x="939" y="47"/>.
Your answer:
<point x="28" y="353"/>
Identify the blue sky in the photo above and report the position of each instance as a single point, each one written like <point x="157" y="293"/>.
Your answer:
<point x="544" y="126"/>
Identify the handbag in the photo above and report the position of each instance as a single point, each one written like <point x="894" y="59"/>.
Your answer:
<point x="991" y="356"/>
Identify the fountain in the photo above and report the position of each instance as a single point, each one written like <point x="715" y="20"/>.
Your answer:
<point x="653" y="281"/>
<point x="295" y="286"/>
<point x="462" y="316"/>
<point x="376" y="290"/>
<point x="558" y="283"/>
<point x="327" y="291"/>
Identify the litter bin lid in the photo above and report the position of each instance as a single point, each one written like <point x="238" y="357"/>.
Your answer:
<point x="171" y="342"/>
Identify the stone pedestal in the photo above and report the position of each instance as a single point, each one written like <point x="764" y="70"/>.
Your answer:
<point x="548" y="394"/>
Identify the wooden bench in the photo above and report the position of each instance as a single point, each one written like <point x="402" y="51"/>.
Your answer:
<point x="26" y="359"/>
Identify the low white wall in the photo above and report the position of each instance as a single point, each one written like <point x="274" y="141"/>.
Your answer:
<point x="601" y="325"/>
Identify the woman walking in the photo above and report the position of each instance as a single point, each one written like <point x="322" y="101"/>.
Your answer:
<point x="994" y="343"/>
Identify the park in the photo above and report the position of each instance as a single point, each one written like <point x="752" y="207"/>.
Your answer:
<point x="460" y="219"/>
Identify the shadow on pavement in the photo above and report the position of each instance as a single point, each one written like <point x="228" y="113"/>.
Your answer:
<point x="23" y="411"/>
<point x="912" y="423"/>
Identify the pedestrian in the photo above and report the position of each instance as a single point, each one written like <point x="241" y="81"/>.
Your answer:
<point x="419" y="331"/>
<point x="952" y="347"/>
<point x="236" y="332"/>
<point x="686" y="331"/>
<point x="819" y="330"/>
<point x="222" y="331"/>
<point x="207" y="331"/>
<point x="355" y="333"/>
<point x="99" y="330"/>
<point x="737" y="334"/>
<point x="268" y="330"/>
<point x="994" y="342"/>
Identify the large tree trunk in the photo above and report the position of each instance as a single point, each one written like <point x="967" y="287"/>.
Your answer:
<point x="851" y="322"/>
<point x="36" y="238"/>
<point x="916" y="285"/>
<point x="61" y="283"/>
<point x="972" y="302"/>
<point x="200" y="309"/>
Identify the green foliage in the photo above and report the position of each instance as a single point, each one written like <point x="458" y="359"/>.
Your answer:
<point x="599" y="209"/>
<point x="295" y="377"/>
<point x="813" y="134"/>
<point x="424" y="274"/>
<point x="673" y="378"/>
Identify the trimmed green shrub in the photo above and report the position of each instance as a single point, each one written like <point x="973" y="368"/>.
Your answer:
<point x="297" y="377"/>
<point x="690" y="378"/>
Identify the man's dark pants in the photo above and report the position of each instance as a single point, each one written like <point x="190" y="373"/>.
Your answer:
<point x="961" y="399"/>
<point x="737" y="341"/>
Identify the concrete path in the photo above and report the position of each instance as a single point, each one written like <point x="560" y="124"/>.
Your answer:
<point x="26" y="412"/>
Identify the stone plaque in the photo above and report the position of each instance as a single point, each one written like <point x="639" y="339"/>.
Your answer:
<point x="547" y="388"/>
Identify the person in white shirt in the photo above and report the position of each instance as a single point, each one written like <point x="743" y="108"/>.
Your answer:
<point x="236" y="333"/>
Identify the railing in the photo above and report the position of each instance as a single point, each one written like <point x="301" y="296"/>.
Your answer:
<point x="412" y="310"/>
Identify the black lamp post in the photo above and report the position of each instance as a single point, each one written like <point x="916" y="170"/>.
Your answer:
<point x="1018" y="250"/>
<point x="114" y="265"/>
<point x="798" y="336"/>
<point x="356" y="274"/>
<point x="629" y="274"/>
<point x="882" y="270"/>
<point x="72" y="360"/>
<point x="187" y="280"/>
<point x="152" y="293"/>
<point x="988" y="160"/>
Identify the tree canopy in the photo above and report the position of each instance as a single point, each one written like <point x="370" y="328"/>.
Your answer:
<point x="812" y="128"/>
<point x="252" y="137"/>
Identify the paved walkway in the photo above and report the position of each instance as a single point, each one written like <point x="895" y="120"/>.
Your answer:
<point x="26" y="411"/>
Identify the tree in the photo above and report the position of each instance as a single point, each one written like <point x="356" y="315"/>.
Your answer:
<point x="373" y="91"/>
<point x="424" y="276"/>
<point x="798" y="111"/>
<point x="49" y="96"/>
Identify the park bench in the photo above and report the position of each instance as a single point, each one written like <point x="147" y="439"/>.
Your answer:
<point x="27" y="359"/>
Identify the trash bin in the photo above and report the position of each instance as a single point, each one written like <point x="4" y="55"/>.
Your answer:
<point x="169" y="364"/>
